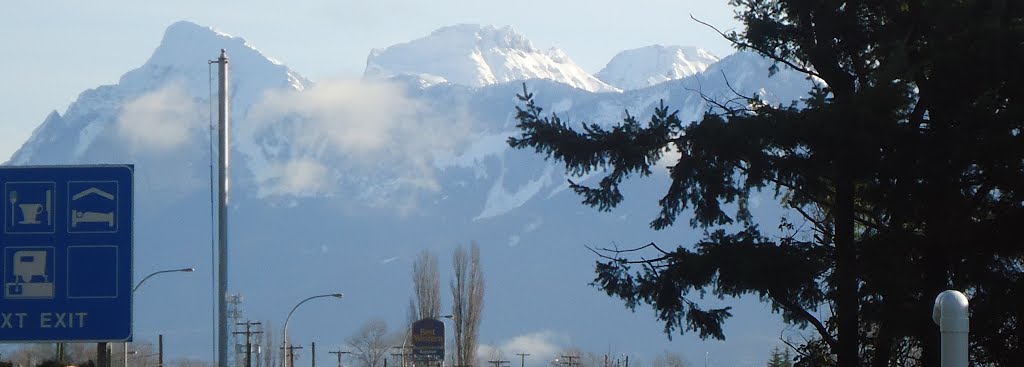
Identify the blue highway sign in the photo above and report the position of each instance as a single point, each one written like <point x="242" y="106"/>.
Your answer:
<point x="66" y="247"/>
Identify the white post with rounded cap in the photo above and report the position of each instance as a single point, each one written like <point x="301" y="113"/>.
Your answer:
<point x="951" y="314"/>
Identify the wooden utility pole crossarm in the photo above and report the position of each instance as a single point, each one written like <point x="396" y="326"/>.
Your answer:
<point x="248" y="341"/>
<point x="289" y="353"/>
<point x="339" y="353"/>
<point x="522" y="359"/>
<point x="571" y="361"/>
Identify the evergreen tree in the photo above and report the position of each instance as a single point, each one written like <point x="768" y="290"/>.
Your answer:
<point x="780" y="358"/>
<point x="907" y="164"/>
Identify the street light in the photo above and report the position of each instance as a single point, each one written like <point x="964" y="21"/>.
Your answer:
<point x="408" y="332"/>
<point x="285" y="331"/>
<point x="182" y="270"/>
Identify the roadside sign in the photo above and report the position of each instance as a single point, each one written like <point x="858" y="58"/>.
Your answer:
<point x="428" y="340"/>
<point x="67" y="253"/>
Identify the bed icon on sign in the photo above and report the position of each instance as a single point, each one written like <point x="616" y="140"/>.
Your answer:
<point x="92" y="206"/>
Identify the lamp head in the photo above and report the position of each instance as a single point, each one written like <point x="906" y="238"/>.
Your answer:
<point x="337" y="295"/>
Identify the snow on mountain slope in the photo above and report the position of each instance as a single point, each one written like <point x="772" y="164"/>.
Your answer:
<point x="158" y="114"/>
<point x="476" y="56"/>
<point x="126" y="114"/>
<point x="647" y="66"/>
<point x="319" y="169"/>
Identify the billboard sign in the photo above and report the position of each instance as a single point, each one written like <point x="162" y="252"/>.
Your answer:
<point x="428" y="340"/>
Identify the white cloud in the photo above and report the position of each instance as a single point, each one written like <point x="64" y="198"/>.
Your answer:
<point x="160" y="120"/>
<point x="301" y="177"/>
<point x="542" y="346"/>
<point x="369" y="131"/>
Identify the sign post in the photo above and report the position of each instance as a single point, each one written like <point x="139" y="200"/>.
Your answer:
<point x="66" y="247"/>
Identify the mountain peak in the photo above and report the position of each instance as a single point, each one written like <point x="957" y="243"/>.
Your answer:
<point x="485" y="36"/>
<point x="479" y="55"/>
<point x="184" y="42"/>
<point x="647" y="66"/>
<point x="186" y="48"/>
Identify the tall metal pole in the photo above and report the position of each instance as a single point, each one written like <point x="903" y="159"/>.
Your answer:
<point x="313" y="354"/>
<point x="222" y="211"/>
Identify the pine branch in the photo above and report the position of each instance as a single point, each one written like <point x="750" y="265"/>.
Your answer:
<point x="802" y="314"/>
<point x="759" y="50"/>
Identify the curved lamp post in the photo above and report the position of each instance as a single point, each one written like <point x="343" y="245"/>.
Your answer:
<point x="182" y="270"/>
<point x="284" y="332"/>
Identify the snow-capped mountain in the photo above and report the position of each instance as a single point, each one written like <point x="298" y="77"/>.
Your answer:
<point x="337" y="185"/>
<point x="647" y="66"/>
<point x="476" y="56"/>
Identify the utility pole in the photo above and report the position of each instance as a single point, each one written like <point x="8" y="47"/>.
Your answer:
<point x="522" y="359"/>
<point x="312" y="355"/>
<point x="248" y="341"/>
<point x="497" y="362"/>
<point x="160" y="351"/>
<point x="289" y="352"/>
<point x="339" y="353"/>
<point x="402" y="354"/>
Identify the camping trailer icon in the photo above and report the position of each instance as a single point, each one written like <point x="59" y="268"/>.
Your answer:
<point x="30" y="275"/>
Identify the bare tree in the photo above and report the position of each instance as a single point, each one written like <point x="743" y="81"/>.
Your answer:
<point x="140" y="354"/>
<point x="668" y="359"/>
<point x="36" y="353"/>
<point x="413" y="313"/>
<point x="32" y="354"/>
<point x="427" y="285"/>
<point x="370" y="343"/>
<point x="268" y="349"/>
<point x="467" y="302"/>
<point x="190" y="362"/>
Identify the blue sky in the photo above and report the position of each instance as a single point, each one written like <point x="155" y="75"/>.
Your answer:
<point x="53" y="50"/>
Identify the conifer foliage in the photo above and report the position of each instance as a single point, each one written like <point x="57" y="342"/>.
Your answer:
<point x="906" y="160"/>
